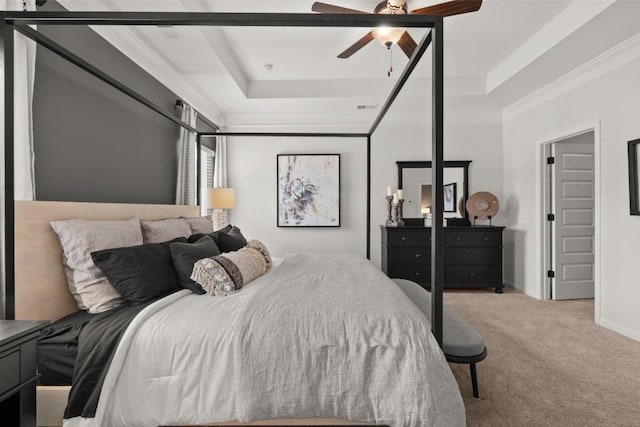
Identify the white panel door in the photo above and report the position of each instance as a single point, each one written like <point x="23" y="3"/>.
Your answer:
<point x="573" y="229"/>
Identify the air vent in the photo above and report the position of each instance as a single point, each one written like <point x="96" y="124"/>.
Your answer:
<point x="365" y="107"/>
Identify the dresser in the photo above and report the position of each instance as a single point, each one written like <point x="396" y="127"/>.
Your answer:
<point x="18" y="371"/>
<point x="472" y="255"/>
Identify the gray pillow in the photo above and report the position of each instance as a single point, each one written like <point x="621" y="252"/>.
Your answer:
<point x="202" y="224"/>
<point x="78" y="238"/>
<point x="163" y="230"/>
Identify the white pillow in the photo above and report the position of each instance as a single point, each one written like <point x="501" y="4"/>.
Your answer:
<point x="78" y="238"/>
<point x="163" y="230"/>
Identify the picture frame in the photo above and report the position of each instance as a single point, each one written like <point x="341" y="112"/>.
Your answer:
<point x="308" y="192"/>
<point x="634" y="178"/>
<point x="450" y="195"/>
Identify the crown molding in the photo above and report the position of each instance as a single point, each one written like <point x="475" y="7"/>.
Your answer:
<point x="614" y="58"/>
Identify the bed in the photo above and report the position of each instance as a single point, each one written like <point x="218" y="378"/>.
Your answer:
<point x="307" y="343"/>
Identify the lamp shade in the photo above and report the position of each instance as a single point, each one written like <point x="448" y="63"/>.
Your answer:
<point x="222" y="198"/>
<point x="387" y="36"/>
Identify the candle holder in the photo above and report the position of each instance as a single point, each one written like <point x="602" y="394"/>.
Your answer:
<point x="389" y="218"/>
<point x="395" y="214"/>
<point x="399" y="215"/>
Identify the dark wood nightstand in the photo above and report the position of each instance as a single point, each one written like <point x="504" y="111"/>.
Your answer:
<point x="18" y="371"/>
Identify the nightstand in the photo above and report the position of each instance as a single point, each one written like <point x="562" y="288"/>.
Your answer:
<point x="18" y="371"/>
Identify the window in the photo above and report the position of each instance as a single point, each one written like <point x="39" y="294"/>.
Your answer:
<point x="207" y="156"/>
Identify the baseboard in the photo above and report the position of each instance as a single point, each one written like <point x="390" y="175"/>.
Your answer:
<point x="634" y="335"/>
<point x="51" y="401"/>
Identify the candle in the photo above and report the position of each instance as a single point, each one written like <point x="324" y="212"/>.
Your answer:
<point x="389" y="190"/>
<point x="395" y="199"/>
<point x="428" y="210"/>
<point x="400" y="194"/>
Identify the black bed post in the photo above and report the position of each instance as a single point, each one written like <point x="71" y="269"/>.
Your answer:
<point x="198" y="169"/>
<point x="437" y="159"/>
<point x="9" y="220"/>
<point x="369" y="196"/>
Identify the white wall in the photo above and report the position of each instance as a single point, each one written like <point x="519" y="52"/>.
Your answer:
<point x="252" y="173"/>
<point x="480" y="143"/>
<point x="612" y="101"/>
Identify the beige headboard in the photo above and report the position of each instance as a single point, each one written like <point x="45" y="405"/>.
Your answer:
<point x="41" y="287"/>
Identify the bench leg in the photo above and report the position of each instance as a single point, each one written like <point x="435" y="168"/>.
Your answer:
<point x="474" y="380"/>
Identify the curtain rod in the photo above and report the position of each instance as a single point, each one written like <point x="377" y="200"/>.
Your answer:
<point x="205" y="119"/>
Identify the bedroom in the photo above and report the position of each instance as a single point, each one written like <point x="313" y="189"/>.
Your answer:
<point x="492" y="139"/>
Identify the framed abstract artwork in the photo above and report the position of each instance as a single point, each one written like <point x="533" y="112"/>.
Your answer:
<point x="308" y="190"/>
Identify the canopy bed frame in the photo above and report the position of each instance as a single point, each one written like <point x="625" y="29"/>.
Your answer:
<point x="22" y="21"/>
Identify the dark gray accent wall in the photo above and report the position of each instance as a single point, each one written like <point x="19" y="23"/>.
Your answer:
<point x="91" y="142"/>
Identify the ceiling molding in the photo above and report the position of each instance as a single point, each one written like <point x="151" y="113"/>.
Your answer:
<point x="574" y="16"/>
<point x="607" y="62"/>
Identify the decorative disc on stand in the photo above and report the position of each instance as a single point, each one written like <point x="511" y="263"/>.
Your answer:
<point x="482" y="205"/>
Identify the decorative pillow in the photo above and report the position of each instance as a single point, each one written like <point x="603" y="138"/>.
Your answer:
<point x="202" y="224"/>
<point x="78" y="239"/>
<point x="231" y="240"/>
<point x="140" y="273"/>
<point x="163" y="230"/>
<point x="185" y="256"/>
<point x="226" y="273"/>
<point x="227" y="239"/>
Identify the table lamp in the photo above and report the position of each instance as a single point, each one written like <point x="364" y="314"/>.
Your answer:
<point x="221" y="199"/>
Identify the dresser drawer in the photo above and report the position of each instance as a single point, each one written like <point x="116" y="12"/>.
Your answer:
<point x="409" y="255"/>
<point x="458" y="238"/>
<point x="489" y="274"/>
<point x="408" y="238"/>
<point x="10" y="369"/>
<point x="420" y="273"/>
<point x="488" y="239"/>
<point x="471" y="255"/>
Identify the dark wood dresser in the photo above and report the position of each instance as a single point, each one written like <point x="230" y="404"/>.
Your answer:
<point x="472" y="255"/>
<point x="18" y="371"/>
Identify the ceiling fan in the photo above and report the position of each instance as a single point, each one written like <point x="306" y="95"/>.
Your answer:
<point x="389" y="36"/>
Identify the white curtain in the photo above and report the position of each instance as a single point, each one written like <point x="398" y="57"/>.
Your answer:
<point x="186" y="187"/>
<point x="220" y="166"/>
<point x="24" y="73"/>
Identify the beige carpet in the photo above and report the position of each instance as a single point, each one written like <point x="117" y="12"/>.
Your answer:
<point x="549" y="364"/>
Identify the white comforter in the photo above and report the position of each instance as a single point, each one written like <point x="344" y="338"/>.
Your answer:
<point x="317" y="336"/>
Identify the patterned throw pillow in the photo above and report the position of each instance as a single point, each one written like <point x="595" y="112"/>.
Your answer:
<point x="223" y="274"/>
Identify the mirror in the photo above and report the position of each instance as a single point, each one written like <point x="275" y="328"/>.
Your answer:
<point x="634" y="177"/>
<point x="414" y="178"/>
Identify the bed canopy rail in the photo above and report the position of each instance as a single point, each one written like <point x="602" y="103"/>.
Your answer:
<point x="20" y="21"/>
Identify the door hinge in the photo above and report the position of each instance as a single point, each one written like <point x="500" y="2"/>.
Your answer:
<point x="551" y="217"/>
<point x="551" y="274"/>
<point x="551" y="160"/>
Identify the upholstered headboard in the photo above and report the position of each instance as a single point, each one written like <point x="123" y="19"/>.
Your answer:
<point x="41" y="286"/>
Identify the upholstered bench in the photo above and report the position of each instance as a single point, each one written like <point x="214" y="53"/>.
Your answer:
<point x="461" y="342"/>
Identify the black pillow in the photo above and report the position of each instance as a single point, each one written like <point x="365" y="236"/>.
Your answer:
<point x="140" y="273"/>
<point x="231" y="240"/>
<point x="185" y="256"/>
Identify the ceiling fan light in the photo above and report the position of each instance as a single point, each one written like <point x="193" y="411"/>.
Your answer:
<point x="388" y="36"/>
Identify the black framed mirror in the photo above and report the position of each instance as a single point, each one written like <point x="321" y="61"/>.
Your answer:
<point x="414" y="178"/>
<point x="634" y="185"/>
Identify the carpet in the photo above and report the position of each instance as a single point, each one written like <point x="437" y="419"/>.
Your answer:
<point x="548" y="364"/>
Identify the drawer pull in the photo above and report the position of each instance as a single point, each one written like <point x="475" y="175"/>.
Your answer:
<point x="485" y="238"/>
<point x="418" y="255"/>
<point x="471" y="255"/>
<point x="472" y="274"/>
<point x="403" y="238"/>
<point x="417" y="274"/>
<point x="458" y="239"/>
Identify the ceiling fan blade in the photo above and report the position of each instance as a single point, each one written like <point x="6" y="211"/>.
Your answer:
<point x="357" y="46"/>
<point x="407" y="44"/>
<point x="453" y="7"/>
<point x="329" y="8"/>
